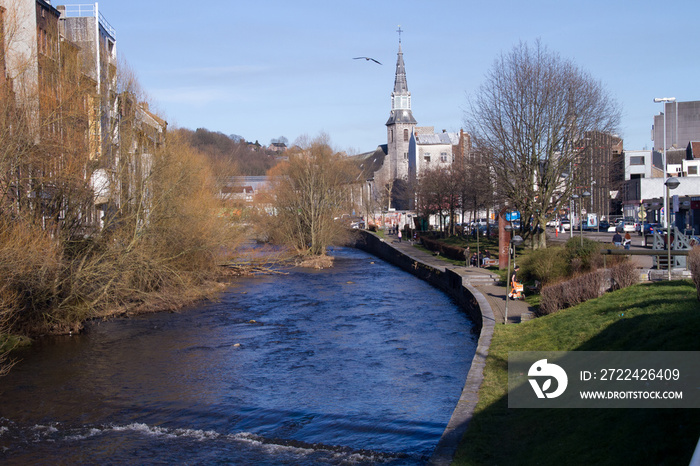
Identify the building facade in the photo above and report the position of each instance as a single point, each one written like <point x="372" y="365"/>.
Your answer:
<point x="87" y="146"/>
<point x="682" y="125"/>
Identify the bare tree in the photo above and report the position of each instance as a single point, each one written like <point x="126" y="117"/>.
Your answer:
<point x="311" y="190"/>
<point x="528" y="117"/>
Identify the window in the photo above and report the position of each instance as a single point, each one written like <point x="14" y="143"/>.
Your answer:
<point x="405" y="135"/>
<point x="427" y="159"/>
<point x="637" y="160"/>
<point x="391" y="135"/>
<point x="443" y="157"/>
<point x="692" y="169"/>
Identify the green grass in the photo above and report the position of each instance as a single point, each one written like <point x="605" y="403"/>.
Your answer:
<point x="662" y="316"/>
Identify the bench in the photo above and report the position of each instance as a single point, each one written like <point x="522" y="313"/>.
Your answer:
<point x="536" y="287"/>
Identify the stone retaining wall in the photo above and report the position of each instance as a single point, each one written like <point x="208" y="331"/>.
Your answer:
<point x="443" y="278"/>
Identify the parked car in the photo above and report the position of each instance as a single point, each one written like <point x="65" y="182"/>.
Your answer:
<point x="604" y="225"/>
<point x="614" y="226"/>
<point x="650" y="228"/>
<point x="565" y="224"/>
<point x="629" y="226"/>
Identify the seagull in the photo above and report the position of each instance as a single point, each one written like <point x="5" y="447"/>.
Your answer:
<point x="367" y="58"/>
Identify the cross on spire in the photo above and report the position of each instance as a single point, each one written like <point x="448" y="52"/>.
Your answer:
<point x="399" y="30"/>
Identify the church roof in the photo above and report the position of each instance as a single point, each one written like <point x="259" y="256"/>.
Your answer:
<point x="400" y="83"/>
<point x="438" y="138"/>
<point x="401" y="116"/>
<point x="370" y="162"/>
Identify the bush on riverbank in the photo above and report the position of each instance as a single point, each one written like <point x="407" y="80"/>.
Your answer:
<point x="158" y="253"/>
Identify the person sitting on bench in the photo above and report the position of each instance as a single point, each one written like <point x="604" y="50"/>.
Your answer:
<point x="516" y="288"/>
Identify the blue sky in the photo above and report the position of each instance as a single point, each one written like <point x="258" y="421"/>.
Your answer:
<point x="264" y="69"/>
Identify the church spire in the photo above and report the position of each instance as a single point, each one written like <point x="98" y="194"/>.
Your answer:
<point x="400" y="84"/>
<point x="400" y="98"/>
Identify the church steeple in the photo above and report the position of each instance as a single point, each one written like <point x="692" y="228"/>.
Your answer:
<point x="400" y="98"/>
<point x="401" y="123"/>
<point x="400" y="84"/>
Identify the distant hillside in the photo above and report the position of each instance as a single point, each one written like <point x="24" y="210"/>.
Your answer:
<point x="248" y="159"/>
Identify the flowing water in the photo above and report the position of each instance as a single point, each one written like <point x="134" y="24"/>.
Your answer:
<point x="358" y="364"/>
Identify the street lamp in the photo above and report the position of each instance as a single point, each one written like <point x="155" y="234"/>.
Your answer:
<point x="580" y="214"/>
<point x="571" y="212"/>
<point x="671" y="183"/>
<point x="665" y="100"/>
<point x="514" y="241"/>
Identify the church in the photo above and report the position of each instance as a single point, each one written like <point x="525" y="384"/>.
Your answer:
<point x="410" y="150"/>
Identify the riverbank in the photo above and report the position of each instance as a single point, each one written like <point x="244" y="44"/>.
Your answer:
<point x="646" y="317"/>
<point x="497" y="435"/>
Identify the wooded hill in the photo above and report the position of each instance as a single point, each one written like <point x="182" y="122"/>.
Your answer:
<point x="248" y="159"/>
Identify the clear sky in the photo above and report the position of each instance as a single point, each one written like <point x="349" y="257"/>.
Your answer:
<point x="267" y="68"/>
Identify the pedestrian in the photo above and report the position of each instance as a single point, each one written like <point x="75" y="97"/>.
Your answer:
<point x="399" y="233"/>
<point x="628" y="240"/>
<point x="467" y="256"/>
<point x="617" y="239"/>
<point x="516" y="288"/>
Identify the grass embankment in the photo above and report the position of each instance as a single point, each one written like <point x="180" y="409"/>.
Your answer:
<point x="647" y="317"/>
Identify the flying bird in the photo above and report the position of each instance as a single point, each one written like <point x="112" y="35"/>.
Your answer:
<point x="367" y="58"/>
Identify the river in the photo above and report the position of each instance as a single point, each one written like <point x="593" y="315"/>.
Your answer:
<point x="361" y="363"/>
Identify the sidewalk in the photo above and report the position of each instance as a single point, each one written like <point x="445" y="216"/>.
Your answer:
<point x="482" y="280"/>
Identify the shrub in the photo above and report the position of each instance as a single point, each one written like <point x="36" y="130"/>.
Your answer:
<point x="445" y="250"/>
<point x="694" y="267"/>
<point x="570" y="293"/>
<point x="546" y="265"/>
<point x="29" y="267"/>
<point x="583" y="258"/>
<point x="623" y="275"/>
<point x="551" y="299"/>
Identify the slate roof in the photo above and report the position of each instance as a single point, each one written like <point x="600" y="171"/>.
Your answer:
<point x="401" y="116"/>
<point x="370" y="162"/>
<point x="438" y="138"/>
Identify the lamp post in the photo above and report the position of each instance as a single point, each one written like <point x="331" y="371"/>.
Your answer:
<point x="571" y="211"/>
<point x="514" y="241"/>
<point x="580" y="214"/>
<point x="665" y="100"/>
<point x="671" y="183"/>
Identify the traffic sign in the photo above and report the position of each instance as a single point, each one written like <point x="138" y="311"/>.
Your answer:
<point x="512" y="216"/>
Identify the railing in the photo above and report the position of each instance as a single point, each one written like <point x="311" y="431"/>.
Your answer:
<point x="88" y="11"/>
<point x="661" y="255"/>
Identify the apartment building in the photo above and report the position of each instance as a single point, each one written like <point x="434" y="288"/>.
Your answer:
<point x="59" y="67"/>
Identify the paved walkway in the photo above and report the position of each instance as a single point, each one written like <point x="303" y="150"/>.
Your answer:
<point x="483" y="280"/>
